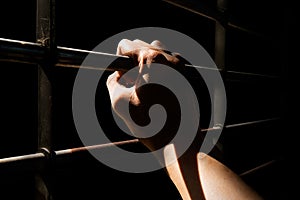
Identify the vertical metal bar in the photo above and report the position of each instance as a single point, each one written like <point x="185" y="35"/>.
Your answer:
<point x="220" y="35"/>
<point x="45" y="35"/>
<point x="220" y="42"/>
<point x="287" y="102"/>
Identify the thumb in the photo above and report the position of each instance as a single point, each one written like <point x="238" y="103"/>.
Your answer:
<point x="118" y="93"/>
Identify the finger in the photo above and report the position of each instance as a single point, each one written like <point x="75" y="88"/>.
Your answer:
<point x="162" y="58"/>
<point x="171" y="57"/>
<point x="159" y="45"/>
<point x="145" y="54"/>
<point x="154" y="45"/>
<point x="142" y="54"/>
<point x="126" y="46"/>
<point x="142" y="43"/>
<point x="117" y="91"/>
<point x="132" y="49"/>
<point x="112" y="80"/>
<point x="166" y="56"/>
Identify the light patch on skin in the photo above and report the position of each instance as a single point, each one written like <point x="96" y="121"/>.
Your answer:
<point x="219" y="182"/>
<point x="146" y="78"/>
<point x="174" y="171"/>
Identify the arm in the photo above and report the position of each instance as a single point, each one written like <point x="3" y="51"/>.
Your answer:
<point x="195" y="176"/>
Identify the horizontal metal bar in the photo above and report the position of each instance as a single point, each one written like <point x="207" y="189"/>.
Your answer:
<point x="260" y="167"/>
<point x="252" y="122"/>
<point x="70" y="57"/>
<point x="34" y="53"/>
<point x="211" y="14"/>
<point x="218" y="127"/>
<point x="21" y="51"/>
<point x="232" y="75"/>
<point x="245" y="30"/>
<point x="35" y="156"/>
<point x="38" y="156"/>
<point x="93" y="147"/>
<point x="202" y="11"/>
<point x="27" y="52"/>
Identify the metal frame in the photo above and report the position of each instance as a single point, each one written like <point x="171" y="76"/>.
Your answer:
<point x="17" y="160"/>
<point x="47" y="55"/>
<point x="33" y="53"/>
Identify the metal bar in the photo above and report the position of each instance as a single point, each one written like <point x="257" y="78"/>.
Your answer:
<point x="220" y="42"/>
<point x="45" y="36"/>
<point x="255" y="169"/>
<point x="234" y="74"/>
<point x="26" y="52"/>
<point x="73" y="58"/>
<point x="32" y="53"/>
<point x="245" y="30"/>
<point x="21" y="51"/>
<point x="220" y="37"/>
<point x="34" y="156"/>
<point x="190" y="6"/>
<point x="211" y="14"/>
<point x="252" y="122"/>
<point x="94" y="147"/>
<point x="57" y="153"/>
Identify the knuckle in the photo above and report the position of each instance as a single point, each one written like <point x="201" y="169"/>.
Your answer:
<point x="123" y="42"/>
<point x="110" y="79"/>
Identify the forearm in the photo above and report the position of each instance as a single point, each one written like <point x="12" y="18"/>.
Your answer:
<point x="198" y="176"/>
<point x="184" y="173"/>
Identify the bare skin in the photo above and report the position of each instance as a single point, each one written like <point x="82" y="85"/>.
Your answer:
<point x="197" y="176"/>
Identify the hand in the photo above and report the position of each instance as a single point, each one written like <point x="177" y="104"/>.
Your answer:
<point x="126" y="89"/>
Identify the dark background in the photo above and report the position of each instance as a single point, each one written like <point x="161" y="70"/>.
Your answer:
<point x="83" y="25"/>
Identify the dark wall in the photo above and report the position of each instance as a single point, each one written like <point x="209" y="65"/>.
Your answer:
<point x="79" y="25"/>
<point x="83" y="25"/>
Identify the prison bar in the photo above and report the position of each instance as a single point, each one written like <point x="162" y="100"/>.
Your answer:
<point x="33" y="53"/>
<point x="92" y="147"/>
<point x="204" y="11"/>
<point x="220" y="44"/>
<point x="251" y="123"/>
<point x="264" y="165"/>
<point x="35" y="157"/>
<point x="36" y="53"/>
<point x="40" y="155"/>
<point x="46" y="37"/>
<point x="211" y="14"/>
